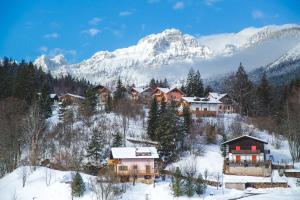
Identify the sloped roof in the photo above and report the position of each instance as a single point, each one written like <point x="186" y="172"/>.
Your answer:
<point x="131" y="152"/>
<point x="248" y="136"/>
<point x="74" y="95"/>
<point x="201" y="100"/>
<point x="216" y="95"/>
<point x="167" y="90"/>
<point x="53" y="96"/>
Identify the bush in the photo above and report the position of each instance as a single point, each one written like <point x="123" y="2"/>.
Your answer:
<point x="78" y="186"/>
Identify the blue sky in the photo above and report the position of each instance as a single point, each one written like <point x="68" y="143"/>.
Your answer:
<point x="79" y="28"/>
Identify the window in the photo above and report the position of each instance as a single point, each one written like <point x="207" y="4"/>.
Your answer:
<point x="148" y="169"/>
<point x="205" y="109"/>
<point x="237" y="148"/>
<point x="228" y="107"/>
<point x="123" y="168"/>
<point x="220" y="107"/>
<point x="253" y="148"/>
<point x="135" y="167"/>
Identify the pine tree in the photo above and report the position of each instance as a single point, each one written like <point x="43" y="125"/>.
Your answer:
<point x="152" y="120"/>
<point x="190" y="83"/>
<point x="120" y="91"/>
<point x="152" y="83"/>
<point x="88" y="106"/>
<point x="189" y="187"/>
<point x="223" y="147"/>
<point x="96" y="152"/>
<point x="78" y="186"/>
<point x="45" y="101"/>
<point x="108" y="105"/>
<point x="198" y="91"/>
<point x="200" y="185"/>
<point x="207" y="90"/>
<point x="117" y="140"/>
<point x="263" y="96"/>
<point x="177" y="183"/>
<point x="187" y="123"/>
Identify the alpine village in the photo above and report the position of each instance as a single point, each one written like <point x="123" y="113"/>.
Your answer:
<point x="175" y="116"/>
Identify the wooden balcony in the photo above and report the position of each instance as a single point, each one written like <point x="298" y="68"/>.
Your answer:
<point x="266" y="163"/>
<point x="137" y="173"/>
<point x="245" y="151"/>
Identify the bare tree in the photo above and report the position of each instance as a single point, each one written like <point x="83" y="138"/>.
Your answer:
<point x="34" y="127"/>
<point x="48" y="176"/>
<point x="24" y="175"/>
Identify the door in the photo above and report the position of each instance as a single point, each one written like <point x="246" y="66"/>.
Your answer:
<point x="253" y="158"/>
<point x="148" y="169"/>
<point x="238" y="158"/>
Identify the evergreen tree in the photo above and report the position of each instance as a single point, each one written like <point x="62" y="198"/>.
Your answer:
<point x="177" y="183"/>
<point x="120" y="91"/>
<point x="199" y="91"/>
<point x="165" y="84"/>
<point x="263" y="96"/>
<point x="108" y="105"/>
<point x="187" y="123"/>
<point x="78" y="186"/>
<point x="152" y="83"/>
<point x="223" y="147"/>
<point x="117" y="140"/>
<point x="200" y="185"/>
<point x="96" y="151"/>
<point x="190" y="86"/>
<point x="168" y="132"/>
<point x="45" y="101"/>
<point x="88" y="106"/>
<point x="207" y="90"/>
<point x="189" y="187"/>
<point x="152" y="120"/>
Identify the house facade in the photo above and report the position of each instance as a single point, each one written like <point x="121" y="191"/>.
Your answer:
<point x="200" y="107"/>
<point x="102" y="93"/>
<point x="142" y="95"/>
<point x="134" y="163"/>
<point x="227" y="104"/>
<point x="247" y="156"/>
<point x="167" y="94"/>
<point x="71" y="98"/>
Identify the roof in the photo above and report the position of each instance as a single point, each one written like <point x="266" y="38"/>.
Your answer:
<point x="167" y="90"/>
<point x="201" y="100"/>
<point x="139" y="90"/>
<point x="133" y="152"/>
<point x="216" y="95"/>
<point x="75" y="96"/>
<point x="248" y="136"/>
<point x="53" y="96"/>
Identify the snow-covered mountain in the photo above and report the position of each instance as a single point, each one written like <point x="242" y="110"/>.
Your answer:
<point x="171" y="53"/>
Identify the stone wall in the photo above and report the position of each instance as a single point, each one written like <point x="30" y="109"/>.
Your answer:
<point x="248" y="171"/>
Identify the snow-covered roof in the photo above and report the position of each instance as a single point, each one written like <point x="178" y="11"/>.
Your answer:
<point x="52" y="96"/>
<point x="75" y="96"/>
<point x="201" y="100"/>
<point x="167" y="90"/>
<point x="139" y="90"/>
<point x="134" y="152"/>
<point x="228" y="141"/>
<point x="216" y="95"/>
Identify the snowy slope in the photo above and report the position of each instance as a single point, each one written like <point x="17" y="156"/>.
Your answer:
<point x="171" y="53"/>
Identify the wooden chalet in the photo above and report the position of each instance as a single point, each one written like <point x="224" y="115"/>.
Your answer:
<point x="167" y="94"/>
<point x="138" y="163"/>
<point x="227" y="104"/>
<point x="102" y="93"/>
<point x="247" y="156"/>
<point x="69" y="98"/>
<point x="140" y="94"/>
<point x="200" y="107"/>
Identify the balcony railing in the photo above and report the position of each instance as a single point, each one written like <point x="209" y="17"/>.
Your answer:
<point x="265" y="163"/>
<point x="137" y="172"/>
<point x="245" y="151"/>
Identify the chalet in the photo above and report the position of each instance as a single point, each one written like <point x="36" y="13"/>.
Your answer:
<point x="134" y="163"/>
<point x="140" y="94"/>
<point x="247" y="155"/>
<point x="71" y="98"/>
<point x="200" y="107"/>
<point x="102" y="93"/>
<point x="168" y="94"/>
<point x="226" y="106"/>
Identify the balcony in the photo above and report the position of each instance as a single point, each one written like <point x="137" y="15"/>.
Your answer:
<point x="266" y="164"/>
<point x="245" y="151"/>
<point x="137" y="172"/>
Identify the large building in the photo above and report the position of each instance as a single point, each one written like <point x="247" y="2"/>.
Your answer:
<point x="138" y="163"/>
<point x="227" y="104"/>
<point x="167" y="94"/>
<point x="247" y="156"/>
<point x="200" y="107"/>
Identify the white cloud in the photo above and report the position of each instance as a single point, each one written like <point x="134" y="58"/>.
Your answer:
<point x="179" y="5"/>
<point x="51" y="35"/>
<point x="92" y="31"/>
<point x="257" y="14"/>
<point x="43" y="49"/>
<point x="210" y="2"/>
<point x="125" y="13"/>
<point x="95" y="21"/>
